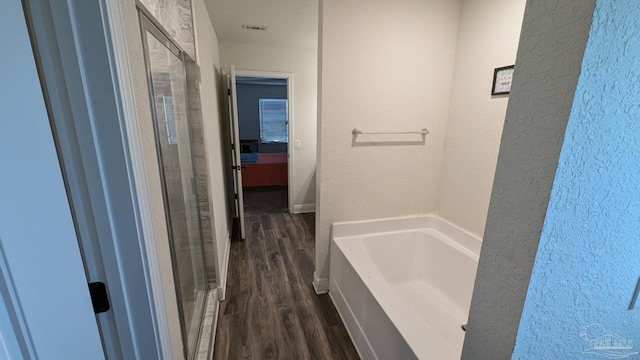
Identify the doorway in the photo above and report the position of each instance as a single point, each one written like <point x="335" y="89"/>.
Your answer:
<point x="260" y="115"/>
<point x="263" y="131"/>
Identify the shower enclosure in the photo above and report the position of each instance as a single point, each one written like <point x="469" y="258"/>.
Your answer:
<point x="168" y="93"/>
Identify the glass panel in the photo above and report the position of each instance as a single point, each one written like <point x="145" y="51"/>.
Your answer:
<point x="168" y="88"/>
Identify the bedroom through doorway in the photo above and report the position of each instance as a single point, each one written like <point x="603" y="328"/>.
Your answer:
<point x="263" y="125"/>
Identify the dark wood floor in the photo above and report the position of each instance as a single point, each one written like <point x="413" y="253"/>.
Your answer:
<point x="271" y="310"/>
<point x="265" y="200"/>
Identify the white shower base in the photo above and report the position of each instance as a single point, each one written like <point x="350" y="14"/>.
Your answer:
<point x="403" y="286"/>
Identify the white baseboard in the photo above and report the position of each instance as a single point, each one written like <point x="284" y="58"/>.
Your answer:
<point x="304" y="208"/>
<point x="222" y="287"/>
<point x="320" y="285"/>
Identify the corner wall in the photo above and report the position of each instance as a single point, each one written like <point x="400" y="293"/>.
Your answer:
<point x="487" y="39"/>
<point x="386" y="66"/>
<point x="303" y="63"/>
<point x="587" y="265"/>
<point x="551" y="49"/>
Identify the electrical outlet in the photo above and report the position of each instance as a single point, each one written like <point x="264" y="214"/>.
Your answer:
<point x="297" y="144"/>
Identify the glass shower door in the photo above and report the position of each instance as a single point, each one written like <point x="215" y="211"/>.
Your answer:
<point x="167" y="82"/>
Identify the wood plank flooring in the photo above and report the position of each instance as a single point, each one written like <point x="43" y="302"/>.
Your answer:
<point x="265" y="200"/>
<point x="271" y="310"/>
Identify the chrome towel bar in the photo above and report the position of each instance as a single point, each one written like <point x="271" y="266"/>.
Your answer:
<point x="423" y="132"/>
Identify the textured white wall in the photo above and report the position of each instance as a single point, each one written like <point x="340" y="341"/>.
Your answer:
<point x="384" y="66"/>
<point x="587" y="264"/>
<point x="215" y="129"/>
<point x="487" y="39"/>
<point x="302" y="62"/>
<point x="548" y="63"/>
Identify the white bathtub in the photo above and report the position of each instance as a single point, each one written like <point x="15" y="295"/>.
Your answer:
<point x="403" y="286"/>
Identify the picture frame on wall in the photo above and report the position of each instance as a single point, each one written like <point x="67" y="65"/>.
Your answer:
<point x="502" y="78"/>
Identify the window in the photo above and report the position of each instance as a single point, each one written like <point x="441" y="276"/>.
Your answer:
<point x="273" y="120"/>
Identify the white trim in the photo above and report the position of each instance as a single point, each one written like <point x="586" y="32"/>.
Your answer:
<point x="304" y="208"/>
<point x="84" y="81"/>
<point x="15" y="339"/>
<point x="290" y="154"/>
<point x="320" y="285"/>
<point x="145" y="221"/>
<point x="222" y="287"/>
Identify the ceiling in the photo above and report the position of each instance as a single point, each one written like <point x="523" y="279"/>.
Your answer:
<point x="291" y="23"/>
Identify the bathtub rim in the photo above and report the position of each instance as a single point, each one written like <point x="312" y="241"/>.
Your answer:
<point x="466" y="238"/>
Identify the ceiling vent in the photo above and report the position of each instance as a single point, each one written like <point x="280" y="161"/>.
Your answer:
<point x="254" y="27"/>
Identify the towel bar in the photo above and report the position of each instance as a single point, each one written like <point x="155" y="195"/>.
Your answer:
<point x="356" y="132"/>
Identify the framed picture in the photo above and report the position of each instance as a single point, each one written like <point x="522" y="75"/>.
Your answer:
<point x="502" y="80"/>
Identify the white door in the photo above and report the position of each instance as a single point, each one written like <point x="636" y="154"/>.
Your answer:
<point x="45" y="308"/>
<point x="235" y="148"/>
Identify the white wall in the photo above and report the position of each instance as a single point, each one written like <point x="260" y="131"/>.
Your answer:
<point x="488" y="38"/>
<point x="592" y="218"/>
<point x="548" y="64"/>
<point x="302" y="62"/>
<point x="215" y="133"/>
<point x="384" y="66"/>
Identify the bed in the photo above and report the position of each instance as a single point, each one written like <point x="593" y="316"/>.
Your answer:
<point x="264" y="169"/>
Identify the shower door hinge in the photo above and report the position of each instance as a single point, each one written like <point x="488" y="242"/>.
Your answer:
<point x="99" y="297"/>
<point x="235" y="196"/>
<point x="229" y="92"/>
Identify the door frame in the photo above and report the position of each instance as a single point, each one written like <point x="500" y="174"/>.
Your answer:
<point x="82" y="53"/>
<point x="290" y="121"/>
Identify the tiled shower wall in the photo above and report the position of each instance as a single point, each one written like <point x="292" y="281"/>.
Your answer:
<point x="175" y="178"/>
<point x="176" y="18"/>
<point x="200" y="162"/>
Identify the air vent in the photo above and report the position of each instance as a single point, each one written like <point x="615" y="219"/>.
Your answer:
<point x="254" y="27"/>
